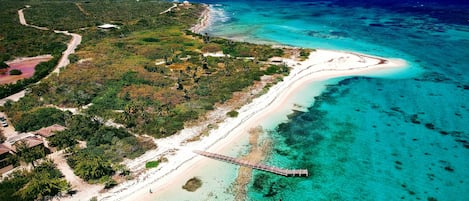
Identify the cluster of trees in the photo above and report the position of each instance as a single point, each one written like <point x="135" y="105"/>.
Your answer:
<point x="40" y="117"/>
<point x="92" y="13"/>
<point x="27" y="154"/>
<point x="2" y="137"/>
<point x="42" y="183"/>
<point x="156" y="99"/>
<point x="16" y="72"/>
<point x="105" y="147"/>
<point x="3" y="65"/>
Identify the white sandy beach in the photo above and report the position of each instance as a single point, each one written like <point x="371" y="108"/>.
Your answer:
<point x="321" y="65"/>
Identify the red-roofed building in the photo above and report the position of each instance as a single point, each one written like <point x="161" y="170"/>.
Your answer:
<point x="5" y="152"/>
<point x="49" y="131"/>
<point x="30" y="141"/>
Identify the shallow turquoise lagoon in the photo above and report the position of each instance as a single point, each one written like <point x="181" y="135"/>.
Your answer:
<point x="400" y="137"/>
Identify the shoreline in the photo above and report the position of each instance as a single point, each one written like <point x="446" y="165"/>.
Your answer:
<point x="203" y="22"/>
<point x="182" y="163"/>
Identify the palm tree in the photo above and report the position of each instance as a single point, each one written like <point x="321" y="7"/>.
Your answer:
<point x="41" y="186"/>
<point x="29" y="154"/>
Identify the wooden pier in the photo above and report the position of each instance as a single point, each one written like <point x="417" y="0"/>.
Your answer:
<point x="275" y="170"/>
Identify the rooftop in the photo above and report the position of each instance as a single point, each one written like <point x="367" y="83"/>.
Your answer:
<point x="30" y="141"/>
<point x="4" y="149"/>
<point x="50" y="130"/>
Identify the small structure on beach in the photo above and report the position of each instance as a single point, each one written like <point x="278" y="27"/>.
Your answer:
<point x="185" y="4"/>
<point x="276" y="60"/>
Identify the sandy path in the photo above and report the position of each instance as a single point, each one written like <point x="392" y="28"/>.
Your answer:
<point x="64" y="61"/>
<point x="84" y="191"/>
<point x="71" y="46"/>
<point x="169" y="9"/>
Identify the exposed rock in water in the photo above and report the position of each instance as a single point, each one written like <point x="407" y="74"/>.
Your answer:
<point x="192" y="184"/>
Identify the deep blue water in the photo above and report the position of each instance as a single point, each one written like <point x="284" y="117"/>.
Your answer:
<point x="395" y="138"/>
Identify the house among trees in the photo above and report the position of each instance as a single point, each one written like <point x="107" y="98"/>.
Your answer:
<point x="47" y="132"/>
<point x="50" y="130"/>
<point x="30" y="142"/>
<point x="5" y="153"/>
<point x="108" y="26"/>
<point x="29" y="149"/>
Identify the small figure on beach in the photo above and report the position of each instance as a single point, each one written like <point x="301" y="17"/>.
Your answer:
<point x="150" y="191"/>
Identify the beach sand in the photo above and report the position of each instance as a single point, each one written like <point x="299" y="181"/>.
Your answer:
<point x="204" y="21"/>
<point x="182" y="162"/>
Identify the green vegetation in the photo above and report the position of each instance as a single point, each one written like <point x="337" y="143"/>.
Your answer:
<point x="304" y="53"/>
<point x="277" y="69"/>
<point x="15" y="72"/>
<point x="26" y="154"/>
<point x="89" y="165"/>
<point x="3" y="65"/>
<point x="42" y="183"/>
<point x="40" y="117"/>
<point x="232" y="113"/>
<point x="192" y="184"/>
<point x="73" y="58"/>
<point x="2" y="137"/>
<point x="122" y="74"/>
<point x="152" y="164"/>
<point x="238" y="49"/>
<point x="17" y="40"/>
<point x="150" y="75"/>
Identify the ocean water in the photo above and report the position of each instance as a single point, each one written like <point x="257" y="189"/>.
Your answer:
<point x="394" y="137"/>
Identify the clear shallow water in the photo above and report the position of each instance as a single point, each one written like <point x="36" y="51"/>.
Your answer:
<point x="391" y="138"/>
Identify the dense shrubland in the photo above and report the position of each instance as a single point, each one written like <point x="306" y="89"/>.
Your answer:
<point x="42" y="183"/>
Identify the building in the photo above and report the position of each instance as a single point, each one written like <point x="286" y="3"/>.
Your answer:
<point x="5" y="153"/>
<point x="276" y="60"/>
<point x="50" y="130"/>
<point x="47" y="132"/>
<point x="31" y="142"/>
<point x="108" y="26"/>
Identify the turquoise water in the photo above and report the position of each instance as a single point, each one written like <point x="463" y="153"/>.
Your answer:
<point x="388" y="138"/>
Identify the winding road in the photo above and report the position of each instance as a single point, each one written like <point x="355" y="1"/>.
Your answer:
<point x="64" y="61"/>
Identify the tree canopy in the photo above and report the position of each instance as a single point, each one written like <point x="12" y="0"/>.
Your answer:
<point x="45" y="181"/>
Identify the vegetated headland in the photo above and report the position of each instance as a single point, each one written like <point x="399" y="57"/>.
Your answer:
<point x="142" y="79"/>
<point x="140" y="87"/>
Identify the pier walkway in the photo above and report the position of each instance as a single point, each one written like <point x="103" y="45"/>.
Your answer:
<point x="275" y="170"/>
